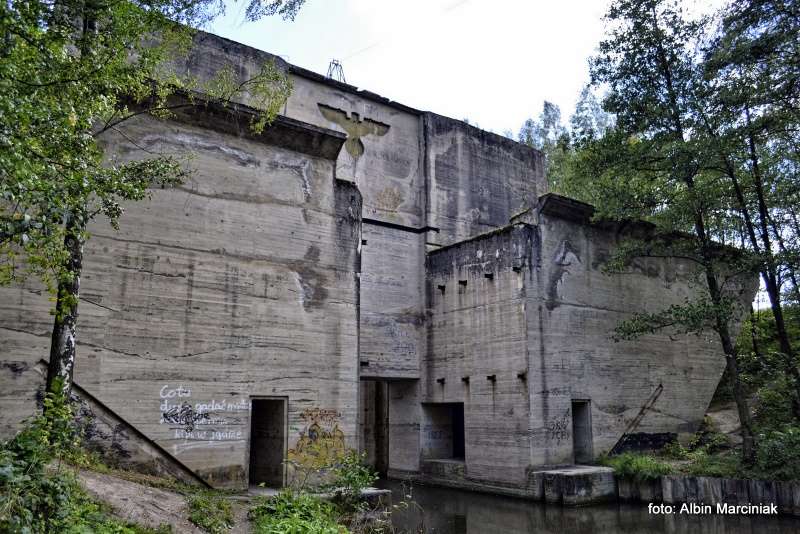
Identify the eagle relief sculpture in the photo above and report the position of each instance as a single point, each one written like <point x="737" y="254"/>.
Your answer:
<point x="355" y="127"/>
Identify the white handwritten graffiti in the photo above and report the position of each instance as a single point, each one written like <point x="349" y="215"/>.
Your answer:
<point x="176" y="409"/>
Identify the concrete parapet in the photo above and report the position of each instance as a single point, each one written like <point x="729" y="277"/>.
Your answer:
<point x="709" y="490"/>
<point x="574" y="485"/>
<point x="445" y="468"/>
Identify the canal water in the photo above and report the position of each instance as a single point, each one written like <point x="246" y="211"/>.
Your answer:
<point x="448" y="511"/>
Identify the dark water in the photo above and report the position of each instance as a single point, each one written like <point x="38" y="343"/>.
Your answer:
<point x="448" y="511"/>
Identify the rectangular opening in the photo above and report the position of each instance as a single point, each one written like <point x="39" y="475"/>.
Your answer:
<point x="268" y="442"/>
<point x="457" y="415"/>
<point x="582" y="431"/>
<point x="443" y="431"/>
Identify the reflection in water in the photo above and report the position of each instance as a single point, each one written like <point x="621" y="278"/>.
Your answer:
<point x="448" y="511"/>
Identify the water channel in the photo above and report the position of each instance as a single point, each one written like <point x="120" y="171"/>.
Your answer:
<point x="449" y="511"/>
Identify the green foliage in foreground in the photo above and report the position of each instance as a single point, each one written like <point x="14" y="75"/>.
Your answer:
<point x="777" y="458"/>
<point x="351" y="477"/>
<point x="211" y="512"/>
<point x="292" y="512"/>
<point x="636" y="466"/>
<point x="39" y="493"/>
<point x="778" y="454"/>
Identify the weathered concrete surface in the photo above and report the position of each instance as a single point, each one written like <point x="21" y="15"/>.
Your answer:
<point x="122" y="446"/>
<point x="392" y="289"/>
<point x="454" y="281"/>
<point x="196" y="301"/>
<point x="574" y="485"/>
<point x="639" y="491"/>
<point x="520" y="327"/>
<point x="417" y="171"/>
<point x="477" y="180"/>
<point x="572" y="313"/>
<point x="677" y="489"/>
<point x="477" y="330"/>
<point x="404" y="426"/>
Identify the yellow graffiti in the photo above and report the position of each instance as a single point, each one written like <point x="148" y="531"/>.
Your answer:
<point x="321" y="443"/>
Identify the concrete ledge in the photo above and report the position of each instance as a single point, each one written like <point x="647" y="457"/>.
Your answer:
<point x="574" y="485"/>
<point x="466" y="484"/>
<point x="587" y="485"/>
<point x="443" y="468"/>
<point x="709" y="490"/>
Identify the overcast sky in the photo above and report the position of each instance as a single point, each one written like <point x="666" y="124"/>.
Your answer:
<point x="493" y="62"/>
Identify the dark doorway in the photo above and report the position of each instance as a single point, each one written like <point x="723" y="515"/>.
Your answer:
<point x="457" y="415"/>
<point x="268" y="442"/>
<point x="443" y="434"/>
<point x="582" y="431"/>
<point x="381" y="428"/>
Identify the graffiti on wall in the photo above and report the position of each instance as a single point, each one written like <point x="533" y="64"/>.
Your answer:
<point x="199" y="421"/>
<point x="184" y="416"/>
<point x="558" y="429"/>
<point x="321" y="442"/>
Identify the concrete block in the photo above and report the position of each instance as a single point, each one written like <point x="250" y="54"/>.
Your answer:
<point x="552" y="487"/>
<point x="579" y="485"/>
<point x="589" y="486"/>
<point x="673" y="489"/>
<point x="762" y="492"/>
<point x="734" y="491"/>
<point x="650" y="491"/>
<point x="784" y="492"/>
<point x="709" y="490"/>
<point x="627" y="489"/>
<point x="536" y="485"/>
<point x="691" y="489"/>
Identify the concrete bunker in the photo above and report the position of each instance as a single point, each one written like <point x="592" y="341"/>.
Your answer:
<point x="443" y="437"/>
<point x="459" y="267"/>
<point x="582" y="431"/>
<point x="268" y="442"/>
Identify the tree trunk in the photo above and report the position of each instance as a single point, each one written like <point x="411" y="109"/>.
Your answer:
<point x="684" y="172"/>
<point x="789" y="267"/>
<point x="728" y="346"/>
<point x="739" y="396"/>
<point x="62" y="343"/>
<point x="771" y="278"/>
<point x="754" y="336"/>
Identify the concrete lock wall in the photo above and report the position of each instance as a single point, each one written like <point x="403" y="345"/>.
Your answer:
<point x="477" y="348"/>
<point x="520" y="329"/>
<point x="655" y="387"/>
<point x="193" y="306"/>
<point x="368" y="264"/>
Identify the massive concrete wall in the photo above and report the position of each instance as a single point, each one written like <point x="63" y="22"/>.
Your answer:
<point x="531" y="307"/>
<point x="200" y="296"/>
<point x="477" y="180"/>
<point x="424" y="179"/>
<point x="244" y="282"/>
<point x="383" y="157"/>
<point x="573" y="308"/>
<point x="477" y="330"/>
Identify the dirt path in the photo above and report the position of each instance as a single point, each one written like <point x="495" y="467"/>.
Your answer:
<point x="144" y="505"/>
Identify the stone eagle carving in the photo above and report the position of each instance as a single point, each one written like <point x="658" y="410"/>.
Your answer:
<point x="355" y="127"/>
